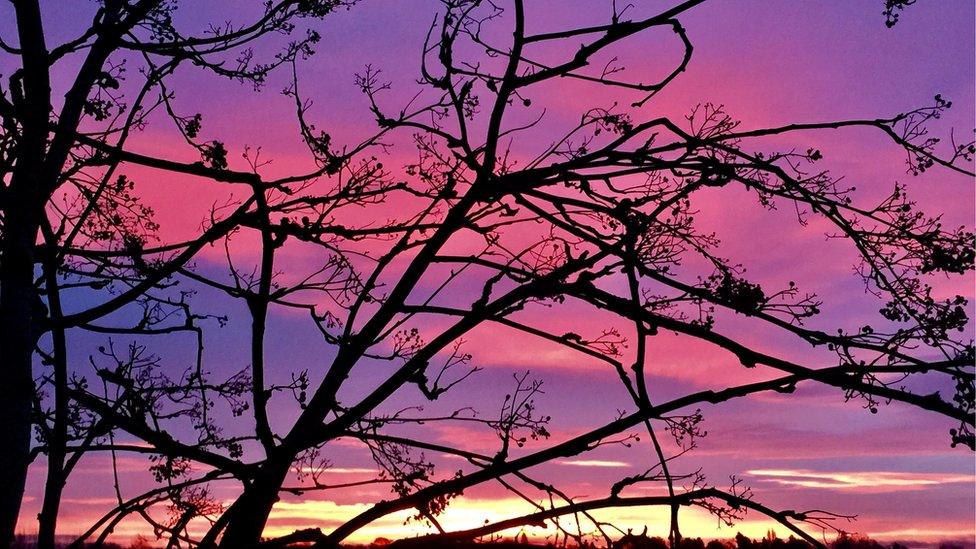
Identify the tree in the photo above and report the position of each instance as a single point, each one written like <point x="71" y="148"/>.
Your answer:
<point x="485" y="228"/>
<point x="71" y="214"/>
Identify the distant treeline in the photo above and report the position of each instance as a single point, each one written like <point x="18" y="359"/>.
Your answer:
<point x="628" y="541"/>
<point x="642" y="541"/>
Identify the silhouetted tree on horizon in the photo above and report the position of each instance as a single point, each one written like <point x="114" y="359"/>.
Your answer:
<point x="480" y="228"/>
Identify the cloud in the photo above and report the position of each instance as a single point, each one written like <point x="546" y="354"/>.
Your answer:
<point x="874" y="481"/>
<point x="341" y="470"/>
<point x="959" y="536"/>
<point x="593" y="463"/>
<point x="90" y="501"/>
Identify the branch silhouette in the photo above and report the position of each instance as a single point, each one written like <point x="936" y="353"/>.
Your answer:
<point x="503" y="212"/>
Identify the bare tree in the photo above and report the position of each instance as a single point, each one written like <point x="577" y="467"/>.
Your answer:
<point x="489" y="225"/>
<point x="69" y="211"/>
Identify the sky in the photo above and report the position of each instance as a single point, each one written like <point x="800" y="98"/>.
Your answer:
<point x="769" y="63"/>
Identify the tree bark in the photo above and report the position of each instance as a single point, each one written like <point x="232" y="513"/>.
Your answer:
<point x="58" y="437"/>
<point x="250" y="512"/>
<point x="18" y="299"/>
<point x="17" y="338"/>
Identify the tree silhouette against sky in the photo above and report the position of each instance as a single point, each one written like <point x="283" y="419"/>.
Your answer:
<point x="503" y="219"/>
<point x="68" y="211"/>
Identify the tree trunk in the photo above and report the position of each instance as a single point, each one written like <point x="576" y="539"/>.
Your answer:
<point x="23" y="209"/>
<point x="58" y="437"/>
<point x="47" y="519"/>
<point x="249" y="514"/>
<point x="17" y="338"/>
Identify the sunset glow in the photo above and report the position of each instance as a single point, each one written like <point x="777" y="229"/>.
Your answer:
<point x="872" y="464"/>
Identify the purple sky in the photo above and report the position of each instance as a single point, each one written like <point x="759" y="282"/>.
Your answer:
<point x="769" y="63"/>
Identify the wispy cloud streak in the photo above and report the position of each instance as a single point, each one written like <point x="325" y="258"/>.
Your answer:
<point x="862" y="480"/>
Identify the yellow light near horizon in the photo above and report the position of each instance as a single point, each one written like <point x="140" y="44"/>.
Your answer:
<point x="465" y="513"/>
